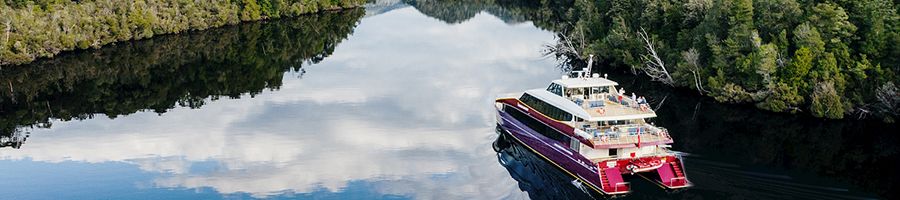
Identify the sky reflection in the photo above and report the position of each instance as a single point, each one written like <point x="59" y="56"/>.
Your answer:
<point x="401" y="109"/>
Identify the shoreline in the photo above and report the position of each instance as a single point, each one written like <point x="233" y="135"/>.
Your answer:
<point x="36" y="32"/>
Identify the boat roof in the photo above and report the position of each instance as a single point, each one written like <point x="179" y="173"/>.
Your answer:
<point x="559" y="102"/>
<point x="585" y="82"/>
<point x="613" y="111"/>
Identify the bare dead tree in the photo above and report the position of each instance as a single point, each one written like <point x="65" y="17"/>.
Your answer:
<point x="888" y="96"/>
<point x="654" y="66"/>
<point x="565" y="49"/>
<point x="692" y="58"/>
<point x="562" y="47"/>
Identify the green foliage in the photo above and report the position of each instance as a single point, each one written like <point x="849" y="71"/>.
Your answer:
<point x="777" y="16"/>
<point x="826" y="102"/>
<point x="250" y="10"/>
<point x="733" y="93"/>
<point x="827" y="71"/>
<point x="806" y="36"/>
<point x="782" y="98"/>
<point x="31" y="29"/>
<point x="779" y="54"/>
<point x="796" y="74"/>
<point x="833" y="21"/>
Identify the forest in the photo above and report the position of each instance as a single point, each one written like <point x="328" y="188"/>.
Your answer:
<point x="831" y="59"/>
<point x="31" y="29"/>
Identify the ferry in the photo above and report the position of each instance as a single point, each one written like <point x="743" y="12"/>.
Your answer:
<point x="593" y="131"/>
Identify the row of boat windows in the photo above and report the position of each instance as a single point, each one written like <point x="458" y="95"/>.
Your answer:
<point x="545" y="108"/>
<point x="571" y="92"/>
<point x="536" y="125"/>
<point x="546" y="130"/>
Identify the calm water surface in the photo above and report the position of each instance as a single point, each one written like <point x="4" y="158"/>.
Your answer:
<point x="392" y="102"/>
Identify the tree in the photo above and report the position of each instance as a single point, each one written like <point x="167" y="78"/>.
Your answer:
<point x="654" y="65"/>
<point x="833" y="21"/>
<point x="795" y="74"/>
<point x="888" y="97"/>
<point x="689" y="70"/>
<point x="778" y="15"/>
<point x="826" y="102"/>
<point x="827" y="71"/>
<point x="808" y="36"/>
<point x="250" y="10"/>
<point x="782" y="97"/>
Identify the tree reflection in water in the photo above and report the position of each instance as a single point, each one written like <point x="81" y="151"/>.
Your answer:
<point x="161" y="73"/>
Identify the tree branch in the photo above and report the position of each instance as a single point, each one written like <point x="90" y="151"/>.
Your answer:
<point x="655" y="67"/>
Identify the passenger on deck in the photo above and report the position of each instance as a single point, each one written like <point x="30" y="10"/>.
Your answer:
<point x="643" y="104"/>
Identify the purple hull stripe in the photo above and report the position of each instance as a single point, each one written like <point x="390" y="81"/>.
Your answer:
<point x="555" y="152"/>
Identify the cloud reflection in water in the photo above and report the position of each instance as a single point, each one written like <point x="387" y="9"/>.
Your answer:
<point x="404" y="104"/>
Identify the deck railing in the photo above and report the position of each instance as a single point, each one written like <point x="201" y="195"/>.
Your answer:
<point x="603" y="100"/>
<point x="630" y="134"/>
<point x="620" y="185"/>
<point x="671" y="182"/>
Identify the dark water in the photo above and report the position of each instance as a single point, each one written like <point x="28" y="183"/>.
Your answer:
<point x="392" y="102"/>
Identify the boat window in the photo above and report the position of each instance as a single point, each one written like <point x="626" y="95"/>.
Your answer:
<point x="536" y="125"/>
<point x="555" y="89"/>
<point x="573" y="92"/>
<point x="619" y="122"/>
<point x="574" y="144"/>
<point x="613" y="152"/>
<point x="600" y="90"/>
<point x="546" y="109"/>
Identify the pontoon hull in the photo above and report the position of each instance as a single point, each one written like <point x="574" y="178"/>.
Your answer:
<point x="554" y="152"/>
<point x="606" y="181"/>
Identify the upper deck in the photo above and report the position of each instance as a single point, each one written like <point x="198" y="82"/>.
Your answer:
<point x="596" y="96"/>
<point x="585" y="82"/>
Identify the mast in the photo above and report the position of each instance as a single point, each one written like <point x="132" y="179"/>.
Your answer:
<point x="587" y="69"/>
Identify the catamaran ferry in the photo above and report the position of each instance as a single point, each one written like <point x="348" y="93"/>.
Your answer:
<point x="594" y="132"/>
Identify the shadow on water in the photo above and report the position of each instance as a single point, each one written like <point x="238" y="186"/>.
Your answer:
<point x="815" y="158"/>
<point x="714" y="178"/>
<point x="734" y="151"/>
<point x="538" y="178"/>
<point x="161" y="73"/>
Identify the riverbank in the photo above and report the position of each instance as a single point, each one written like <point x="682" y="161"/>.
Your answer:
<point x="30" y="30"/>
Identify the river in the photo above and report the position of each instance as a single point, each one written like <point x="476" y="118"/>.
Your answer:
<point x="393" y="101"/>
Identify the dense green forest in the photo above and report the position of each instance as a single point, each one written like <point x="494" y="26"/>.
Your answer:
<point x="832" y="59"/>
<point x="31" y="29"/>
<point x="164" y="72"/>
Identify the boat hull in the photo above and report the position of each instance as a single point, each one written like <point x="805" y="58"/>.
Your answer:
<point x="573" y="163"/>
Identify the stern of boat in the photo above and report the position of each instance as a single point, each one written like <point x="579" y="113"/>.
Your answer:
<point x="611" y="181"/>
<point x="670" y="174"/>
